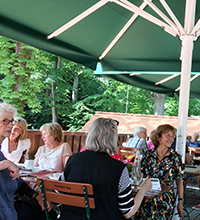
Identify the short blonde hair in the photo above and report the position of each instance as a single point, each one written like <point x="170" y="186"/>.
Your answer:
<point x="161" y="129"/>
<point x="53" y="129"/>
<point x="102" y="136"/>
<point x="21" y="122"/>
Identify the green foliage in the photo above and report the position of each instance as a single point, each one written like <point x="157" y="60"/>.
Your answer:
<point x="18" y="86"/>
<point x="26" y="81"/>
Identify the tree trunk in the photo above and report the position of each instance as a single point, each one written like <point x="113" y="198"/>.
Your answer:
<point x="75" y="89"/>
<point x="18" y="51"/>
<point x="54" y="110"/>
<point x="159" y="100"/>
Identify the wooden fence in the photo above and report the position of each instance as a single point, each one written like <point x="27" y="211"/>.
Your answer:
<point x="75" y="139"/>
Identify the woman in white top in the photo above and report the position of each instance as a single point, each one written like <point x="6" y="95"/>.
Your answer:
<point x="15" y="148"/>
<point x="55" y="153"/>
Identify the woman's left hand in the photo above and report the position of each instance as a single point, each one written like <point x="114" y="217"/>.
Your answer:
<point x="180" y="209"/>
<point x="40" y="201"/>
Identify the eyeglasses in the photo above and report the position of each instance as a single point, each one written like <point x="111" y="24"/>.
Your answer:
<point x="6" y="121"/>
<point x="169" y="136"/>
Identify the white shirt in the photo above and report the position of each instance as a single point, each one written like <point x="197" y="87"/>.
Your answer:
<point x="15" y="155"/>
<point x="52" y="159"/>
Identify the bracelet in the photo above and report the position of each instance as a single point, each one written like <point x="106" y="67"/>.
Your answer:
<point x="180" y="199"/>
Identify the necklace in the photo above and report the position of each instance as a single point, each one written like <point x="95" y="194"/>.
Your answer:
<point x="162" y="156"/>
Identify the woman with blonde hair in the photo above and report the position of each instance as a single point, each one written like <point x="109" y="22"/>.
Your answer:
<point x="55" y="153"/>
<point x="15" y="147"/>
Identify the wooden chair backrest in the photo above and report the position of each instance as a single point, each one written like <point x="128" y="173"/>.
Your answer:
<point x="67" y="187"/>
<point x="128" y="151"/>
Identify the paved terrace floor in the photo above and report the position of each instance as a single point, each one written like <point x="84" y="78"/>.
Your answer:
<point x="191" y="198"/>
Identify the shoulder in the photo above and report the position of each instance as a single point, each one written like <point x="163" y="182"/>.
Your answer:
<point x="4" y="142"/>
<point x="25" y="142"/>
<point x="42" y="148"/>
<point x="65" y="145"/>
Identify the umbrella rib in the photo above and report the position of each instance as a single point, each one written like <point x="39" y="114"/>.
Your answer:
<point x="78" y="18"/>
<point x="162" y="15"/>
<point x="131" y="7"/>
<point x="191" y="79"/>
<point x="167" y="79"/>
<point x="171" y="14"/>
<point x="122" y="31"/>
<point x="196" y="29"/>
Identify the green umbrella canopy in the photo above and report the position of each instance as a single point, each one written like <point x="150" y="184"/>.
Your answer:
<point x="143" y="47"/>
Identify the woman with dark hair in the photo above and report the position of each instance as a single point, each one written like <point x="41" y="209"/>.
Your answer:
<point x="163" y="163"/>
<point x="109" y="177"/>
<point x="15" y="147"/>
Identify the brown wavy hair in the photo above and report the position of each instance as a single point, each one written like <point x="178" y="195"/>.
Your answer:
<point x="161" y="129"/>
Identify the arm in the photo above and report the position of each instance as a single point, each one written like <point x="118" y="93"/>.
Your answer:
<point x="67" y="153"/>
<point x="188" y="158"/>
<point x="179" y="184"/>
<point x="36" y="160"/>
<point x="13" y="169"/>
<point x="144" y="188"/>
<point x="24" y="189"/>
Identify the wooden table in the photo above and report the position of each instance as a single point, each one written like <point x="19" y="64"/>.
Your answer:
<point x="153" y="193"/>
<point x="194" y="150"/>
<point x="29" y="176"/>
<point x="195" y="170"/>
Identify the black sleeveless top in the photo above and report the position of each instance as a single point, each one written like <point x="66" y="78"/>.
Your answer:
<point x="103" y="172"/>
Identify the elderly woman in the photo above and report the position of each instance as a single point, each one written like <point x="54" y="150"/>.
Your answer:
<point x="109" y="177"/>
<point x="9" y="182"/>
<point x="55" y="153"/>
<point x="15" y="148"/>
<point x="163" y="163"/>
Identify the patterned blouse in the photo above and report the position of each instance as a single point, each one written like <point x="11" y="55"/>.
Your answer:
<point x="166" y="170"/>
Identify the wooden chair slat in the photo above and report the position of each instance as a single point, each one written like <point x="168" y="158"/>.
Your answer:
<point x="69" y="187"/>
<point x="67" y="199"/>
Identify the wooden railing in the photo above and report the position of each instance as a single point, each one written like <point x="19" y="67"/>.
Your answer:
<point x="75" y="139"/>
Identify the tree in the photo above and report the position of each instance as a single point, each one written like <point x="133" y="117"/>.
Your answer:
<point x="18" y="84"/>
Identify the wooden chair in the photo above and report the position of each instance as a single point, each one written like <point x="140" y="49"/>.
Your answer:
<point x="55" y="191"/>
<point x="127" y="152"/>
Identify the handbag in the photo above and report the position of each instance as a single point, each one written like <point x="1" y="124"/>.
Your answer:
<point x="24" y="199"/>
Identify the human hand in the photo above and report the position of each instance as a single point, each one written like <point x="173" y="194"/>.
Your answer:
<point x="40" y="201"/>
<point x="180" y="209"/>
<point x="13" y="169"/>
<point x="146" y="185"/>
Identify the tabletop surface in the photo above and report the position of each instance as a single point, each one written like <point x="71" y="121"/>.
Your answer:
<point x="192" y="169"/>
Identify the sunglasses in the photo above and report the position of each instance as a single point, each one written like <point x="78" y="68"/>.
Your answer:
<point x="112" y="122"/>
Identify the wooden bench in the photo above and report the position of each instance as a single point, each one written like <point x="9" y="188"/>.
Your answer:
<point x="75" y="139"/>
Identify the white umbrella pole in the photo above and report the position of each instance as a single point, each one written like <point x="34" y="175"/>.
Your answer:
<point x="186" y="66"/>
<point x="187" y="48"/>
